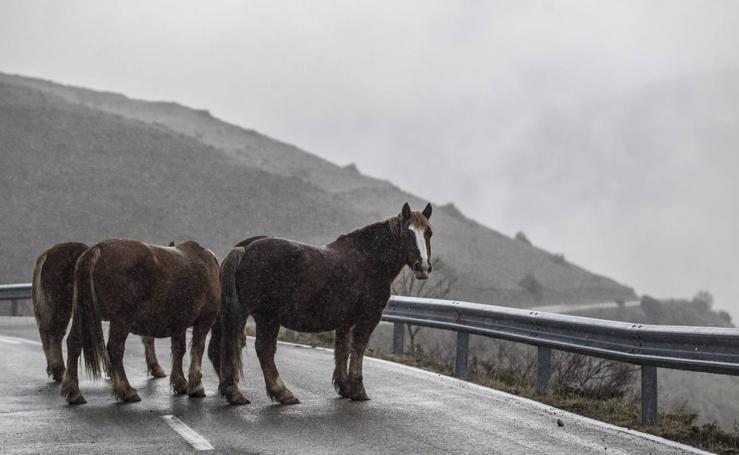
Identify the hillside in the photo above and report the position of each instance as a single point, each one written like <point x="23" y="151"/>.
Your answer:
<point x="76" y="164"/>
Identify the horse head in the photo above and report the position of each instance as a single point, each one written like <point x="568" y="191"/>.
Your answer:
<point x="415" y="240"/>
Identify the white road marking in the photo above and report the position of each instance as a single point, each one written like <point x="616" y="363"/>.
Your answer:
<point x="16" y="340"/>
<point x="188" y="434"/>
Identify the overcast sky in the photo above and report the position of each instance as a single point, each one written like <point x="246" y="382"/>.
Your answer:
<point x="608" y="131"/>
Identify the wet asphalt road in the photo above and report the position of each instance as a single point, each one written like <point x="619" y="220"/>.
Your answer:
<point x="411" y="411"/>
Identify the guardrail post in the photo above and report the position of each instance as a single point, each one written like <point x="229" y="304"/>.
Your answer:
<point x="460" y="363"/>
<point x="398" y="338"/>
<point x="543" y="368"/>
<point x="14" y="308"/>
<point x="648" y="395"/>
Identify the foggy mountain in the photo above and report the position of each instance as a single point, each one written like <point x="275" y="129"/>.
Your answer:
<point x="77" y="164"/>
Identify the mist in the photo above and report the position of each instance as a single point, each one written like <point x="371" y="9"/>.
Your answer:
<point x="607" y="132"/>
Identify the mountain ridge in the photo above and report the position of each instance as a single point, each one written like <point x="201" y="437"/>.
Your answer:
<point x="491" y="265"/>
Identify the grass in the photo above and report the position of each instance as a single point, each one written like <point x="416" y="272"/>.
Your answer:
<point x="676" y="425"/>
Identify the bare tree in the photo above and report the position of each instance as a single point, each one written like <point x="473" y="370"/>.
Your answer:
<point x="438" y="286"/>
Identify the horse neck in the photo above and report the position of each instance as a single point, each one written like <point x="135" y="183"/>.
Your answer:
<point x="379" y="246"/>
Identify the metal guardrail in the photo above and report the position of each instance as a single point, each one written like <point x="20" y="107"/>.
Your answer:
<point x="705" y="349"/>
<point x="14" y="293"/>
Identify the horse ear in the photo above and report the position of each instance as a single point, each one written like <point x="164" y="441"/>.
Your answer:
<point x="171" y="243"/>
<point x="406" y="212"/>
<point x="427" y="211"/>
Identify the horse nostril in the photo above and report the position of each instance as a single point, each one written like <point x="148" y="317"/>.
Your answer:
<point x="417" y="267"/>
<point x="430" y="268"/>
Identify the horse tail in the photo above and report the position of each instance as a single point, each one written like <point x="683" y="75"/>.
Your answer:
<point x="227" y="292"/>
<point x="232" y="319"/>
<point x="38" y="295"/>
<point x="87" y="318"/>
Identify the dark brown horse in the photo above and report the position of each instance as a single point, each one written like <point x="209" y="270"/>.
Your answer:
<point x="343" y="286"/>
<point x="214" y="346"/>
<point x="147" y="290"/>
<point x="53" y="282"/>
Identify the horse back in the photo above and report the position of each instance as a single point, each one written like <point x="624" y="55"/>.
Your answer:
<point x="307" y="287"/>
<point x="159" y="289"/>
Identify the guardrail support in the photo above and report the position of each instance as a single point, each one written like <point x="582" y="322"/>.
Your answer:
<point x="648" y="395"/>
<point x="460" y="363"/>
<point x="398" y="338"/>
<point x="543" y="368"/>
<point x="14" y="308"/>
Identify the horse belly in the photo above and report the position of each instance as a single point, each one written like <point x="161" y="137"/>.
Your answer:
<point x="314" y="316"/>
<point x="160" y="321"/>
<point x="301" y="324"/>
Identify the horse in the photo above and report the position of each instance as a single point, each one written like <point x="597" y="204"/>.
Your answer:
<point x="343" y="286"/>
<point x="147" y="290"/>
<point x="51" y="294"/>
<point x="214" y="346"/>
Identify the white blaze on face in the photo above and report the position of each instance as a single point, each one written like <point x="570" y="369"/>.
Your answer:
<point x="421" y="244"/>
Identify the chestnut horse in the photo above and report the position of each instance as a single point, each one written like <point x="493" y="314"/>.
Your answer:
<point x="343" y="286"/>
<point x="51" y="293"/>
<point x="146" y="290"/>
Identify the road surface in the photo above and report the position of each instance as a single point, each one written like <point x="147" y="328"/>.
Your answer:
<point x="411" y="411"/>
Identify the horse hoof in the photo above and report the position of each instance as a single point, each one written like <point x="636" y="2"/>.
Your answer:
<point x="360" y="397"/>
<point x="179" y="387"/>
<point x="77" y="399"/>
<point x="158" y="372"/>
<point x="71" y="393"/>
<point x="131" y="396"/>
<point x="239" y="401"/>
<point x="289" y="401"/>
<point x="198" y="393"/>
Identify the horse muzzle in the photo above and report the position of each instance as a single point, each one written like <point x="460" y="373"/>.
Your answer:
<point x="421" y="273"/>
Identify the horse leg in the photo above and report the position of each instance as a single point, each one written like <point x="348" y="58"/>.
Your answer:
<point x="231" y="331"/>
<point x="70" y="383"/>
<point x="177" y="378"/>
<point x="152" y="364"/>
<point x="55" y="358"/>
<point x="341" y="356"/>
<point x="116" y="346"/>
<point x="360" y="338"/>
<point x="45" y="343"/>
<point x="214" y="347"/>
<point x="266" y="345"/>
<point x="195" y="387"/>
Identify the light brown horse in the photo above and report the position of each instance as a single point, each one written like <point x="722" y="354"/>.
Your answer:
<point x="51" y="293"/>
<point x="146" y="290"/>
<point x="343" y="286"/>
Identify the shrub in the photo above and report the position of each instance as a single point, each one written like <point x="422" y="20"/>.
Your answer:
<point x="521" y="237"/>
<point x="531" y="284"/>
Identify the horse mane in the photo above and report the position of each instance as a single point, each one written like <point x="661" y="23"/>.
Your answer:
<point x="392" y="225"/>
<point x="418" y="220"/>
